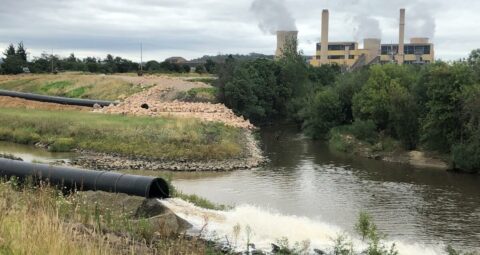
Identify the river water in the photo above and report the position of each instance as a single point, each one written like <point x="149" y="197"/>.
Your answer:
<point x="418" y="206"/>
<point x="306" y="190"/>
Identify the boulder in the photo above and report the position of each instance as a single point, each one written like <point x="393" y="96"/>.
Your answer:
<point x="161" y="218"/>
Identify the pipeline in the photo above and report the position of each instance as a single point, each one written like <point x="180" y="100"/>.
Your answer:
<point x="54" y="99"/>
<point x="81" y="179"/>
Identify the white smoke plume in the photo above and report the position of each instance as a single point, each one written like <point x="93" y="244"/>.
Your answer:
<point x="366" y="27"/>
<point x="420" y="21"/>
<point x="272" y="16"/>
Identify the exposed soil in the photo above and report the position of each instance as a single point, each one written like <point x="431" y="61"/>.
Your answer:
<point x="169" y="86"/>
<point x="13" y="102"/>
<point x="156" y="101"/>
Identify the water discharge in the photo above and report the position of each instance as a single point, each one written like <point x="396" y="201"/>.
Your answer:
<point x="267" y="227"/>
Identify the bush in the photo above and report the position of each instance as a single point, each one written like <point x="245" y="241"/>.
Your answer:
<point x="62" y="145"/>
<point x="198" y="95"/>
<point x="466" y="156"/>
<point x="322" y="114"/>
<point x="363" y="130"/>
<point x="339" y="142"/>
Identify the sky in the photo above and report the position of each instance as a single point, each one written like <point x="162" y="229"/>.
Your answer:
<point x="193" y="28"/>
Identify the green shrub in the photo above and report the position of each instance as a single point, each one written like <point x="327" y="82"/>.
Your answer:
<point x="62" y="145"/>
<point x="322" y="114"/>
<point x="24" y="136"/>
<point x="363" y="130"/>
<point x="339" y="141"/>
<point x="202" y="95"/>
<point x="466" y="156"/>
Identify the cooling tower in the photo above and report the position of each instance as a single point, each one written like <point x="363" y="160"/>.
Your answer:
<point x="284" y="39"/>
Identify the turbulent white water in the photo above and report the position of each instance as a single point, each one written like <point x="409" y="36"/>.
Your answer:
<point x="250" y="224"/>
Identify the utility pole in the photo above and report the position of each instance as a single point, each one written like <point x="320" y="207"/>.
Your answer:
<point x="141" y="57"/>
<point x="52" y="60"/>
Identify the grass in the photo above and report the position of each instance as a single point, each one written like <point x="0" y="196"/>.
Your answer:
<point x="40" y="220"/>
<point x="156" y="138"/>
<point x="207" y="80"/>
<point x="71" y="85"/>
<point x="198" y="95"/>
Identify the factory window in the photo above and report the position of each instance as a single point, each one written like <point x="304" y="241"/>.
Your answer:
<point x="336" y="57"/>
<point x="318" y="57"/>
<point x="319" y="47"/>
<point x="336" y="47"/>
<point x="422" y="49"/>
<point x="389" y="49"/>
<point x="409" y="49"/>
<point x="351" y="57"/>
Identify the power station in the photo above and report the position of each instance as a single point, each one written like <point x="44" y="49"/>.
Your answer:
<point x="351" y="56"/>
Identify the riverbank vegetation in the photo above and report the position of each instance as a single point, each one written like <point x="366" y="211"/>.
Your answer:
<point x="72" y="85"/>
<point x="40" y="220"/>
<point x="161" y="138"/>
<point x="432" y="107"/>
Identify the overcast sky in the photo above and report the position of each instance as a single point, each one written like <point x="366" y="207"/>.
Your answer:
<point x="193" y="28"/>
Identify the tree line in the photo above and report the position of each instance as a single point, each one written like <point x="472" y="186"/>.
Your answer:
<point x="433" y="107"/>
<point x="15" y="61"/>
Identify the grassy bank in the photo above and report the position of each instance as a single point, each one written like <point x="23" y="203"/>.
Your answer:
<point x="71" y="85"/>
<point x="156" y="138"/>
<point x="42" y="221"/>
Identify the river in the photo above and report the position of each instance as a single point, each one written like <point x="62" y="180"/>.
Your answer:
<point x="304" y="178"/>
<point x="305" y="183"/>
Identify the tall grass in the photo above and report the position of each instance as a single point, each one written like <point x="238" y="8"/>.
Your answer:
<point x="71" y="85"/>
<point x="40" y="220"/>
<point x="156" y="138"/>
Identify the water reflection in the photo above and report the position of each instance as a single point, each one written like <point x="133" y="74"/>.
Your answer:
<point x="305" y="178"/>
<point x="32" y="154"/>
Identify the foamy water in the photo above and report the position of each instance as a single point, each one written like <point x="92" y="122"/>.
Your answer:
<point x="250" y="224"/>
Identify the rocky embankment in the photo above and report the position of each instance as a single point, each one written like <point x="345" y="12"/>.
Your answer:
<point x="154" y="102"/>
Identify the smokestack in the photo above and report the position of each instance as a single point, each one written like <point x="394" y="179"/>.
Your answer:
<point x="324" y="42"/>
<point x="401" y="37"/>
<point x="284" y="39"/>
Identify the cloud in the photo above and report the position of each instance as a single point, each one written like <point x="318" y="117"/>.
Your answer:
<point x="192" y="28"/>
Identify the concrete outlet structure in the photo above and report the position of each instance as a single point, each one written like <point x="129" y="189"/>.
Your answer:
<point x="350" y="56"/>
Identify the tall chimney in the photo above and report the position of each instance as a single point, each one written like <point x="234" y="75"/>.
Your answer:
<point x="324" y="42"/>
<point x="401" y="37"/>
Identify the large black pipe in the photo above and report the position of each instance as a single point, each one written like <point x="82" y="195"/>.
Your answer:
<point x="81" y="179"/>
<point x="53" y="99"/>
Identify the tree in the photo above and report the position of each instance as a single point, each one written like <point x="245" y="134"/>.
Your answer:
<point x="442" y="125"/>
<point x="12" y="63"/>
<point x="10" y="51"/>
<point x="21" y="52"/>
<point x="91" y="64"/>
<point x="109" y="65"/>
<point x="373" y="99"/>
<point x="404" y="119"/>
<point x="210" y="66"/>
<point x="322" y="114"/>
<point x="474" y="62"/>
<point x="200" y="69"/>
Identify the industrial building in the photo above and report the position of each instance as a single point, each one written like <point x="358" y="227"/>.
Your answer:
<point x="350" y="56"/>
